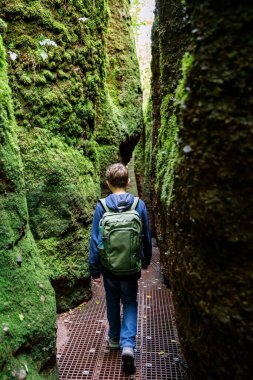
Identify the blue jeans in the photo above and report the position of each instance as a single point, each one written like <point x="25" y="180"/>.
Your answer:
<point x="126" y="291"/>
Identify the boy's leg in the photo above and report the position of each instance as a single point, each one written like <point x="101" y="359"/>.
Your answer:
<point x="112" y="293"/>
<point x="128" y="294"/>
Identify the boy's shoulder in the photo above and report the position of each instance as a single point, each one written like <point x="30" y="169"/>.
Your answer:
<point x="141" y="204"/>
<point x="99" y="207"/>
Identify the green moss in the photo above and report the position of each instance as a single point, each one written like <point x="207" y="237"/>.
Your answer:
<point x="73" y="108"/>
<point x="62" y="187"/>
<point x="148" y="145"/>
<point x="3" y="26"/>
<point x="143" y="155"/>
<point x="25" y="79"/>
<point x="27" y="304"/>
<point x="124" y="115"/>
<point x="168" y="152"/>
<point x="58" y="85"/>
<point x="108" y="154"/>
<point x="181" y="90"/>
<point x="68" y="70"/>
<point x="25" y="363"/>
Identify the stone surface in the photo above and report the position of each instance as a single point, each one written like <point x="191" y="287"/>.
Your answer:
<point x="201" y="149"/>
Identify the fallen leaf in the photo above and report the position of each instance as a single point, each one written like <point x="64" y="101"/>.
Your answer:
<point x="13" y="56"/>
<point x="97" y="302"/>
<point x="83" y="19"/>
<point x="21" y="317"/>
<point x="161" y="353"/>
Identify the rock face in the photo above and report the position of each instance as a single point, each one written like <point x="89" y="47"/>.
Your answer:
<point x="77" y="104"/>
<point x="27" y="300"/>
<point x="121" y="129"/>
<point x="201" y="168"/>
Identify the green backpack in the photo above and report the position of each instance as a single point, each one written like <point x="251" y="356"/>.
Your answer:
<point x="120" y="251"/>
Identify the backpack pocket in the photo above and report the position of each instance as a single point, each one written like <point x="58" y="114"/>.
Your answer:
<point x="122" y="242"/>
<point x="118" y="251"/>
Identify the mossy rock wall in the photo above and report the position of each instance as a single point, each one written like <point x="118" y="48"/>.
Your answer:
<point x="58" y="83"/>
<point x="61" y="190"/>
<point x="58" y="75"/>
<point x="27" y="300"/>
<point x="157" y="151"/>
<point x="123" y="77"/>
<point x="202" y="152"/>
<point x="71" y="121"/>
<point x="123" y="121"/>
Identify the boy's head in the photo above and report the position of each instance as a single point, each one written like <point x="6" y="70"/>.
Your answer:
<point x="117" y="175"/>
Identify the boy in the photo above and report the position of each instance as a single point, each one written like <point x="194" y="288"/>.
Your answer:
<point x="121" y="287"/>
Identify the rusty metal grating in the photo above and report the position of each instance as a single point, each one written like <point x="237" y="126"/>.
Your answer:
<point x="86" y="355"/>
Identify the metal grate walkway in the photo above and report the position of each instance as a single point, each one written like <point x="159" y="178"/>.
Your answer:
<point x="85" y="354"/>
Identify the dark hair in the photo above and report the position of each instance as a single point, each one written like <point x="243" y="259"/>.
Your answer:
<point x="117" y="175"/>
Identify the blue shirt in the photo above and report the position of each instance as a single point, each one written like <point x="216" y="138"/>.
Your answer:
<point x="114" y="202"/>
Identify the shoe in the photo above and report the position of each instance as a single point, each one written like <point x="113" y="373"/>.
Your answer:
<point x="113" y="343"/>
<point x="128" y="363"/>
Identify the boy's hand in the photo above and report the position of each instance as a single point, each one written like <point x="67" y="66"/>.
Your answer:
<point x="96" y="280"/>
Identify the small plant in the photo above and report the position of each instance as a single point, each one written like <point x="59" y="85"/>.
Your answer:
<point x="47" y="42"/>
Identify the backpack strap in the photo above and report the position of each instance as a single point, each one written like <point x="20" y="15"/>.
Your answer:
<point x="102" y="201"/>
<point x="134" y="205"/>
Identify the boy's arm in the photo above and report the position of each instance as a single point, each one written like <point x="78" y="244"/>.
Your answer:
<point x="147" y="241"/>
<point x="94" y="264"/>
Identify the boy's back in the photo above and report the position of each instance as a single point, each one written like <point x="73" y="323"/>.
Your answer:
<point x="120" y="287"/>
<point x="118" y="202"/>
